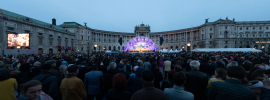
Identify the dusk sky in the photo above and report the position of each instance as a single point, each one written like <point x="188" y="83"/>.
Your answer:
<point x="123" y="15"/>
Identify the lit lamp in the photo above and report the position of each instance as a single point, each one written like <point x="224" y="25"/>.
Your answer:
<point x="183" y="47"/>
<point x="188" y="44"/>
<point x="18" y="47"/>
<point x="95" y="47"/>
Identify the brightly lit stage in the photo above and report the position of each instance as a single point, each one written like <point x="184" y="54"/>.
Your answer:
<point x="140" y="45"/>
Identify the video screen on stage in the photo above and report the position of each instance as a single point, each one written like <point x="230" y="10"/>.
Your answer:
<point x="20" y="39"/>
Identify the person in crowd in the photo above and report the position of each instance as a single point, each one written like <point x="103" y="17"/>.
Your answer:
<point x="168" y="83"/>
<point x="13" y="74"/>
<point x="178" y="92"/>
<point x="121" y="70"/>
<point x="63" y="69"/>
<point x="220" y="75"/>
<point x="1" y="64"/>
<point x="134" y="70"/>
<point x="213" y="66"/>
<point x="128" y="67"/>
<point x="140" y="62"/>
<point x="82" y="70"/>
<point x="93" y="83"/>
<point x="56" y="71"/>
<point x="265" y="91"/>
<point x="72" y="88"/>
<point x="233" y="63"/>
<point x="167" y="66"/>
<point x="157" y="75"/>
<point x="119" y="85"/>
<point x="205" y="67"/>
<point x="49" y="82"/>
<point x="7" y="85"/>
<point x="32" y="90"/>
<point x="135" y="82"/>
<point x="178" y="68"/>
<point x="37" y="63"/>
<point x="226" y="90"/>
<point x="148" y="92"/>
<point x="160" y="65"/>
<point x="196" y="81"/>
<point x="147" y="64"/>
<point x="108" y="77"/>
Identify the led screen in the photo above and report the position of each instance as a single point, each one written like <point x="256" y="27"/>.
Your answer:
<point x="21" y="39"/>
<point x="140" y="44"/>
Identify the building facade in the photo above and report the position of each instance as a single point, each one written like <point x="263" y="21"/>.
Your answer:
<point x="73" y="37"/>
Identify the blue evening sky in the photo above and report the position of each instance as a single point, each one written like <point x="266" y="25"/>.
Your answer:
<point x="123" y="15"/>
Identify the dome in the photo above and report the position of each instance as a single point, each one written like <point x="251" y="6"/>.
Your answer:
<point x="140" y="44"/>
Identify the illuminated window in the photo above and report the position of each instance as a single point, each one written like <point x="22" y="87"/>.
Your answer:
<point x="82" y="42"/>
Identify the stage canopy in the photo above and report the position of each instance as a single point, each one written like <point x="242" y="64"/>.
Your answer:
<point x="226" y="50"/>
<point x="141" y="44"/>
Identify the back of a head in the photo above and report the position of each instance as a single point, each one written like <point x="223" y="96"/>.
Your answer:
<point x="178" y="68"/>
<point x="195" y="64"/>
<point x="58" y="63"/>
<point x="247" y="65"/>
<point x="29" y="84"/>
<point x="258" y="74"/>
<point x="46" y="67"/>
<point x="179" y="78"/>
<point x="94" y="66"/>
<point x="72" y="69"/>
<point x="4" y="74"/>
<point x="119" y="81"/>
<point x="221" y="73"/>
<point x="112" y="65"/>
<point x="171" y="74"/>
<point x="236" y="72"/>
<point x="233" y="63"/>
<point x="147" y="76"/>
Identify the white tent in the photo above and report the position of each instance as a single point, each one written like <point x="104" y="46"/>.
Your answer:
<point x="226" y="50"/>
<point x="108" y="51"/>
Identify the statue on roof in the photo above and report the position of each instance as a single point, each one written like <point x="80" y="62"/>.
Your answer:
<point x="85" y="24"/>
<point x="206" y="20"/>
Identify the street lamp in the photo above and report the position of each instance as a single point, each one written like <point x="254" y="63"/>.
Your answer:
<point x="188" y="44"/>
<point x="95" y="47"/>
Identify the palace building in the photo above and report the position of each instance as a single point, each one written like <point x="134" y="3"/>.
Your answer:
<point x="74" y="37"/>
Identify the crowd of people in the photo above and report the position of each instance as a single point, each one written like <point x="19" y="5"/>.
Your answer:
<point x="136" y="76"/>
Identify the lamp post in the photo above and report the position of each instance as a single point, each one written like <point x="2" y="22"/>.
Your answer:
<point x="95" y="47"/>
<point x="18" y="47"/>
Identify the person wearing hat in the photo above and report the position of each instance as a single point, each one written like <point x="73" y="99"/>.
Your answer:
<point x="121" y="70"/>
<point x="72" y="88"/>
<point x="49" y="82"/>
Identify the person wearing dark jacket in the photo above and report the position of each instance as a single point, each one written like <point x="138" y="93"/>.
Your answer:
<point x="82" y="71"/>
<point x="196" y="81"/>
<point x="49" y="82"/>
<point x="119" y="85"/>
<point x="205" y="67"/>
<point x="121" y="70"/>
<point x="157" y="75"/>
<point x="108" y="77"/>
<point x="56" y="71"/>
<point x="232" y="88"/>
<point x="168" y="83"/>
<point x="135" y="82"/>
<point x="148" y="92"/>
